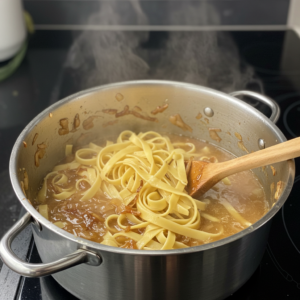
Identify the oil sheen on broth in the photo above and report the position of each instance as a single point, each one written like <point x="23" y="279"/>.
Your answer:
<point x="86" y="219"/>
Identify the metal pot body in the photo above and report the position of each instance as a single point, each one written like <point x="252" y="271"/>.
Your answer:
<point x="211" y="271"/>
<point x="211" y="274"/>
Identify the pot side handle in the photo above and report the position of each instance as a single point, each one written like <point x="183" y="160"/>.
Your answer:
<point x="40" y="270"/>
<point x="264" y="99"/>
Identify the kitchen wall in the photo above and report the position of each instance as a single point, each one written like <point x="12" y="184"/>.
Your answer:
<point x="158" y="12"/>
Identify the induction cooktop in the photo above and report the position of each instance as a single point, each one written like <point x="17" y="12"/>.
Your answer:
<point x="51" y="71"/>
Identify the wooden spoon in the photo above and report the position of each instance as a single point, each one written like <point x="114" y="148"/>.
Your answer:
<point x="203" y="175"/>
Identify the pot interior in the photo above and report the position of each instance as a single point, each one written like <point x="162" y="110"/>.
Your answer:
<point x="86" y="116"/>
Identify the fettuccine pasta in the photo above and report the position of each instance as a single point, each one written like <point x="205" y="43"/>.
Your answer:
<point x="143" y="176"/>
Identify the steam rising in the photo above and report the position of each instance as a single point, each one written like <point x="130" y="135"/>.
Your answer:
<point x="203" y="57"/>
<point x="109" y="56"/>
<point x="206" y="58"/>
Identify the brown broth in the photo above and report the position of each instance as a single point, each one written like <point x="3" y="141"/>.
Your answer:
<point x="86" y="218"/>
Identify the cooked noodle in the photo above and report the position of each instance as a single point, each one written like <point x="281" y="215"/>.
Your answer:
<point x="147" y="174"/>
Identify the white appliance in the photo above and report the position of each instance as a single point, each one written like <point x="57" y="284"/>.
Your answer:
<point x="12" y="28"/>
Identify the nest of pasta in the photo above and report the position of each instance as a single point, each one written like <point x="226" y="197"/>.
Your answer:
<point x="145" y="176"/>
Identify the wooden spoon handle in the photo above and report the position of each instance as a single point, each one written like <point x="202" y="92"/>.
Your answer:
<point x="270" y="155"/>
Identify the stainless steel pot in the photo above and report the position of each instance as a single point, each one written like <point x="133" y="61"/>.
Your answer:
<point x="93" y="271"/>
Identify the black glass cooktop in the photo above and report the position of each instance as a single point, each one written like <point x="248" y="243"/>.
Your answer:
<point x="268" y="62"/>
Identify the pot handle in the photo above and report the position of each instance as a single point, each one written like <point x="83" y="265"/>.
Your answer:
<point x="264" y="99"/>
<point x="40" y="270"/>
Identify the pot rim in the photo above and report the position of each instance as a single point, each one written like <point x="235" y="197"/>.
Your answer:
<point x="97" y="246"/>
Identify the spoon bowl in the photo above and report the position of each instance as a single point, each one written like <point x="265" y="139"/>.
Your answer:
<point x="203" y="175"/>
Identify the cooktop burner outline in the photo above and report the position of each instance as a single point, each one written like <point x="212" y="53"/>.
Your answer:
<point x="283" y="272"/>
<point x="291" y="108"/>
<point x="297" y="179"/>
